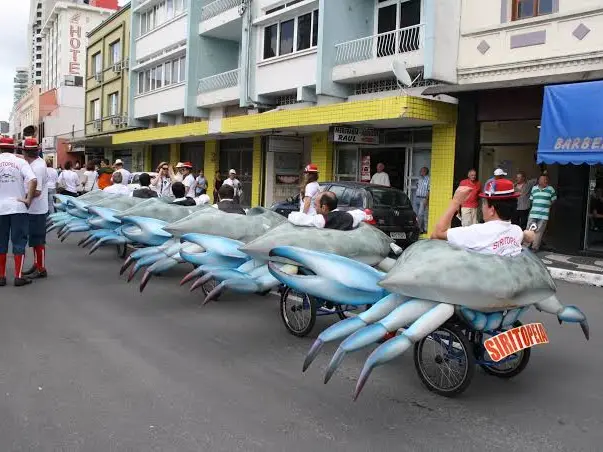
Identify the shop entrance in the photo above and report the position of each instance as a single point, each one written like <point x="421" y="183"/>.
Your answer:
<point x="394" y="160"/>
<point x="594" y="219"/>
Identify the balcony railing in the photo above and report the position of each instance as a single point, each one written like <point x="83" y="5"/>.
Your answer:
<point x="394" y="42"/>
<point x="218" y="7"/>
<point x="219" y="81"/>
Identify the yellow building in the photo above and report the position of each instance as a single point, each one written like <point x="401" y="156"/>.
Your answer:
<point x="107" y="90"/>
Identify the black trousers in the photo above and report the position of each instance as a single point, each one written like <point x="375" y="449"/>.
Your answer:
<point x="521" y="219"/>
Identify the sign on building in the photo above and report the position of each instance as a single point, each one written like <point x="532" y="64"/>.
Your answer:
<point x="75" y="43"/>
<point x="354" y="135"/>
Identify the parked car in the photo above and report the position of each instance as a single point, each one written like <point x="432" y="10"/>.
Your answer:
<point x="135" y="182"/>
<point x="390" y="207"/>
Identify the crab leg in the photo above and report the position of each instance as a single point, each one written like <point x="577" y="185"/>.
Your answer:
<point x="403" y="315"/>
<point x="348" y="326"/>
<point x="426" y="324"/>
<point x="565" y="313"/>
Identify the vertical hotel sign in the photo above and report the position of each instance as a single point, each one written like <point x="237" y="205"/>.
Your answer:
<point x="75" y="44"/>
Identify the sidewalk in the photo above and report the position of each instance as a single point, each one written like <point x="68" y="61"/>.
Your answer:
<point x="575" y="269"/>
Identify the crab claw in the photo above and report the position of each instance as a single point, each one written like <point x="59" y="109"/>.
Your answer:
<point x="145" y="280"/>
<point x="144" y="230"/>
<point x="144" y="262"/>
<point x="215" y="293"/>
<point x="158" y="267"/>
<point x="574" y="315"/>
<point x="200" y="281"/>
<point x="109" y="240"/>
<point x="192" y="275"/>
<point x="129" y="261"/>
<point x="337" y="279"/>
<point x="348" y="326"/>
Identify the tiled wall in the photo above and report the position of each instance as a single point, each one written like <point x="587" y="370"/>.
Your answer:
<point x="322" y="155"/>
<point x="211" y="165"/>
<point x="256" y="175"/>
<point x="442" y="171"/>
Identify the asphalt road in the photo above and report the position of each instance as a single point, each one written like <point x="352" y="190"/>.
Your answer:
<point x="89" y="364"/>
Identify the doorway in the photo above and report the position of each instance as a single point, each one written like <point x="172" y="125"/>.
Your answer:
<point x="394" y="160"/>
<point x="594" y="218"/>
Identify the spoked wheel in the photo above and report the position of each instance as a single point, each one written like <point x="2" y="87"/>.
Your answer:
<point x="345" y="311"/>
<point x="122" y="250"/>
<point x="209" y="286"/>
<point x="445" y="361"/>
<point x="508" y="367"/>
<point x="298" y="312"/>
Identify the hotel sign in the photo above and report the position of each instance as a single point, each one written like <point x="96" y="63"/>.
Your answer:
<point x="75" y="43"/>
<point x="354" y="135"/>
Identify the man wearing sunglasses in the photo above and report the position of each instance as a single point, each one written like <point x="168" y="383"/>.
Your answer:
<point x="162" y="184"/>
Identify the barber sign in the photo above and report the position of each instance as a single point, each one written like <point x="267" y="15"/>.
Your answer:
<point x="355" y="135"/>
<point x="511" y="341"/>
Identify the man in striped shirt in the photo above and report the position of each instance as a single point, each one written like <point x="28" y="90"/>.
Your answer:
<point x="542" y="196"/>
<point x="421" y="200"/>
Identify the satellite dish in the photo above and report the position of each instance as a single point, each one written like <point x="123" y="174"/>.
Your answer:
<point x="401" y="73"/>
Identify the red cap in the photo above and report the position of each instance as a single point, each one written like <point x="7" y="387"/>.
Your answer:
<point x="30" y="144"/>
<point x="7" y="143"/>
<point x="311" y="168"/>
<point x="499" y="189"/>
<point x="187" y="165"/>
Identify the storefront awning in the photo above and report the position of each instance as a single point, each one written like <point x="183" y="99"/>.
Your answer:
<point x="571" y="129"/>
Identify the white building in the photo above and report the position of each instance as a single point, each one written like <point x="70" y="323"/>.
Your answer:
<point x="20" y="83"/>
<point x="35" y="43"/>
<point x="64" y="64"/>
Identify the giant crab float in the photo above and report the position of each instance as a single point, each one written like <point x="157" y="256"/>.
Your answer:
<point x="462" y="306"/>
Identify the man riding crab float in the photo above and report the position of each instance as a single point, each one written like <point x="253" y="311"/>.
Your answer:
<point x="207" y="237"/>
<point x="481" y="280"/>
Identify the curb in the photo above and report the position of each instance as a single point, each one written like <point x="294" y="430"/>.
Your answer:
<point x="576" y="277"/>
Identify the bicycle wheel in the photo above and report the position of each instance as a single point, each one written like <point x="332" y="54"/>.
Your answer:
<point x="298" y="312"/>
<point x="209" y="286"/>
<point x="444" y="361"/>
<point x="508" y="367"/>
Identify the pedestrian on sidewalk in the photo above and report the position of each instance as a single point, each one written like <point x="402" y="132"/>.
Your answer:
<point x="105" y="173"/>
<point x="420" y="203"/>
<point x="38" y="210"/>
<point x="16" y="177"/>
<point x="524" y="188"/>
<point x="542" y="197"/>
<point x="470" y="206"/>
<point x="52" y="176"/>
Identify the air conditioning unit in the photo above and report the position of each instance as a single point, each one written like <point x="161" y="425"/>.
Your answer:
<point x="98" y="77"/>
<point x="125" y="121"/>
<point x="126" y="64"/>
<point x="117" y="67"/>
<point x="98" y="124"/>
<point x="116" y="120"/>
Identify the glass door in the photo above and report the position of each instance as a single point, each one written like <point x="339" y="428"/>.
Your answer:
<point x="347" y="164"/>
<point x="416" y="158"/>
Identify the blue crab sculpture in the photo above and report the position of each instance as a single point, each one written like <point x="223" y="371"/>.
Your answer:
<point x="365" y="244"/>
<point x="430" y="283"/>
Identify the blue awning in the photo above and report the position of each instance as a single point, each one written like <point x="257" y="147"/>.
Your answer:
<point x="571" y="129"/>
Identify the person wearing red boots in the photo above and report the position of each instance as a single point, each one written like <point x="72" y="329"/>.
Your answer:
<point x="38" y="210"/>
<point x="17" y="189"/>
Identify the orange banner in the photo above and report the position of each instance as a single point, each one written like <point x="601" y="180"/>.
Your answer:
<point x="505" y="344"/>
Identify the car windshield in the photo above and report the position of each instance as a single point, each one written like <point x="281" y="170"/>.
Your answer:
<point x="388" y="197"/>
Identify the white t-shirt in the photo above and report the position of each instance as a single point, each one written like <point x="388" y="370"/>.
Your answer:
<point x="51" y="178"/>
<point x="494" y="237"/>
<point x="70" y="180"/>
<point x="190" y="182"/>
<point x="380" y="179"/>
<point x="236" y="184"/>
<point x="39" y="205"/>
<point x="15" y="174"/>
<point x="117" y="189"/>
<point x="90" y="177"/>
<point x="125" y="175"/>
<point x="312" y="189"/>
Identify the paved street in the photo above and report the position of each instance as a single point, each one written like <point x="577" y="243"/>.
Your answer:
<point x="89" y="364"/>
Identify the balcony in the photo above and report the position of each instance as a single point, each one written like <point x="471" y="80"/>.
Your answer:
<point x="221" y="19"/>
<point x="371" y="57"/>
<point x="219" y="89"/>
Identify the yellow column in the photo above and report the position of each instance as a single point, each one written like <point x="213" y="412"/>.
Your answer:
<point x="442" y="171"/>
<point x="174" y="153"/>
<point x="256" y="175"/>
<point x="322" y="155"/>
<point x="147" y="158"/>
<point x="211" y="164"/>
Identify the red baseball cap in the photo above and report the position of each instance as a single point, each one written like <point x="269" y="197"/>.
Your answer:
<point x="187" y="165"/>
<point x="30" y="144"/>
<point x="7" y="143"/>
<point x="499" y="189"/>
<point x="311" y="168"/>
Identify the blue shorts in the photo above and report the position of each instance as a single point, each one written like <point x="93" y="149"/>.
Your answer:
<point x="37" y="230"/>
<point x="14" y="227"/>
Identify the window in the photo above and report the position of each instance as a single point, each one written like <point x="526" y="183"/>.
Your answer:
<point x="175" y="67"/>
<point x="140" y="82"/>
<point x="182" y="69"/>
<point x="165" y="74"/>
<point x="523" y="9"/>
<point x="97" y="63"/>
<point x="292" y="35"/>
<point x="115" y="52"/>
<point x="168" y="73"/>
<point x="95" y="109"/>
<point x="159" y="14"/>
<point x="147" y="81"/>
<point x="113" y="104"/>
<point x="153" y="79"/>
<point x="159" y="76"/>
<point x="397" y="26"/>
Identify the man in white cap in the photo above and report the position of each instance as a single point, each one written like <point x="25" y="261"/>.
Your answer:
<point x="125" y="174"/>
<point x="236" y="184"/>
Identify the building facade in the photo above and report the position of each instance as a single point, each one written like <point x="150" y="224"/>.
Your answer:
<point x="264" y="87"/>
<point x="20" y="83"/>
<point x="510" y="51"/>
<point x="35" y="43"/>
<point x="107" y="90"/>
<point x="64" y="34"/>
